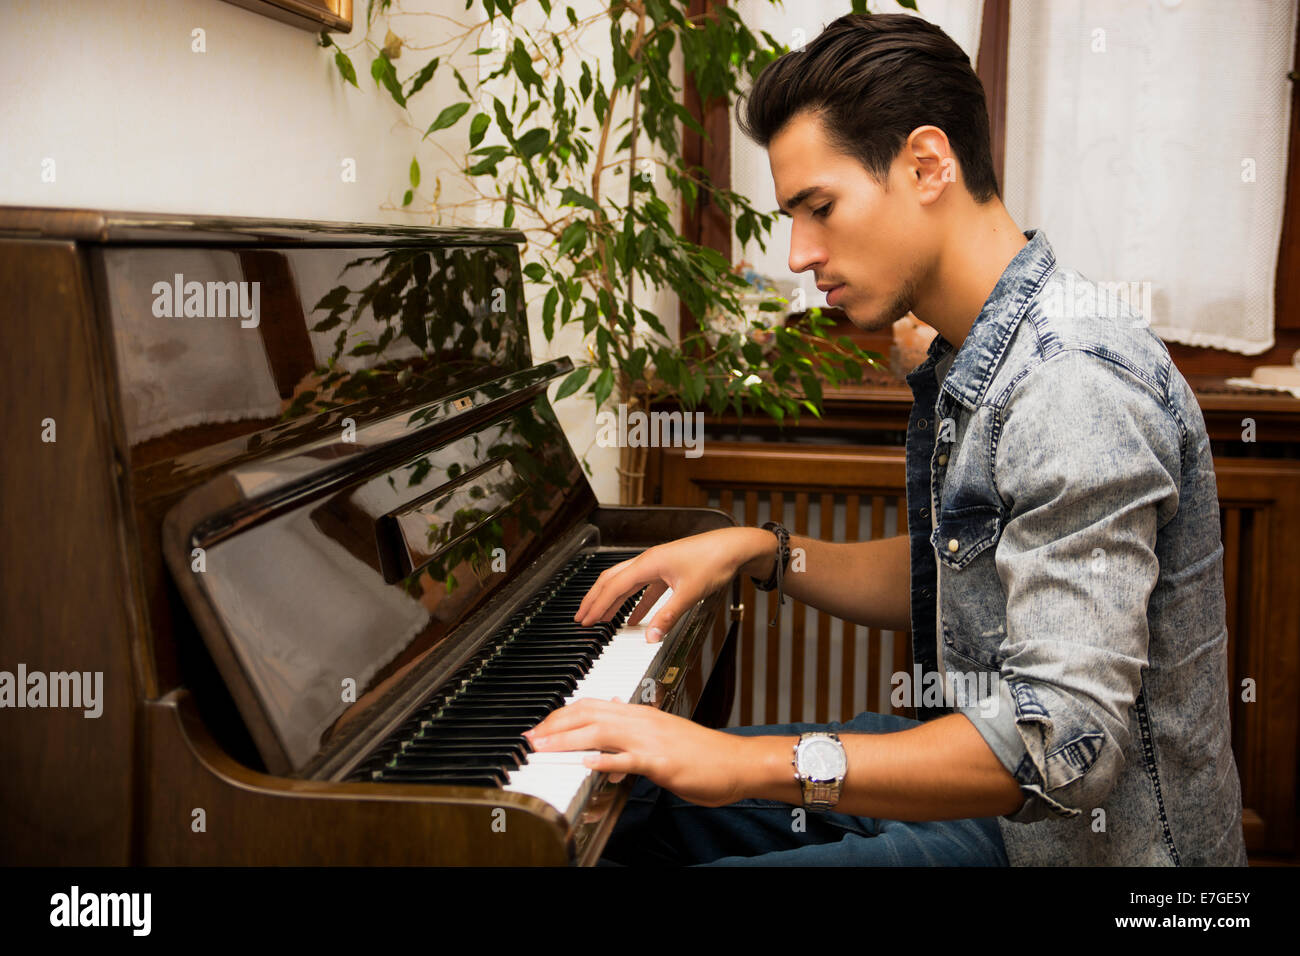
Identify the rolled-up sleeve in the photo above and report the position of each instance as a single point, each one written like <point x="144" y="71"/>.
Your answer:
<point x="1086" y="463"/>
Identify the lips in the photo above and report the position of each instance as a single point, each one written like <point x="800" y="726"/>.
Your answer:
<point x="834" y="295"/>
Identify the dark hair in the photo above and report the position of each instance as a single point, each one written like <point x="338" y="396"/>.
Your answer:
<point x="873" y="78"/>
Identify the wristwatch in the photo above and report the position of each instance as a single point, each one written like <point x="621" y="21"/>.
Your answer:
<point x="820" y="765"/>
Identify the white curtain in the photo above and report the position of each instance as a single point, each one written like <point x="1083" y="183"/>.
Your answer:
<point x="793" y="24"/>
<point x="1148" y="139"/>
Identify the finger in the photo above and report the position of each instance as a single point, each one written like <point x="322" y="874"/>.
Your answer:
<point x="589" y="737"/>
<point x="573" y="716"/>
<point x="624" y="581"/>
<point x="667" y="616"/>
<point x="598" y="601"/>
<point x="619" y="764"/>
<point x="652" y="593"/>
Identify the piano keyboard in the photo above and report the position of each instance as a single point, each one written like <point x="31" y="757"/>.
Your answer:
<point x="470" y="731"/>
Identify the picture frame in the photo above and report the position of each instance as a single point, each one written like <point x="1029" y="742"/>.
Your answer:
<point x="313" y="15"/>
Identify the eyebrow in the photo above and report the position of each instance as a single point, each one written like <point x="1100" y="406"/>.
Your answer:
<point x="796" y="199"/>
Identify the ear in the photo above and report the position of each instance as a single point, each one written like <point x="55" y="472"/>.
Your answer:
<point x="931" y="164"/>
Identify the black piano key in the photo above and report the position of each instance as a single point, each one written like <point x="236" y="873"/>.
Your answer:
<point x="557" y="649"/>
<point x="561" y="639"/>
<point x="528" y="671"/>
<point x="475" y="709"/>
<point x="514" y="751"/>
<point x="470" y="731"/>
<point x="504" y="742"/>
<point x="581" y="660"/>
<point x="553" y="698"/>
<point x="463" y="723"/>
<point x="487" y="681"/>
<point x="473" y="763"/>
<point x="446" y="778"/>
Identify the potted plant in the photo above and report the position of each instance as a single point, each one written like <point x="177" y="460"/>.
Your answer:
<point x="583" y="262"/>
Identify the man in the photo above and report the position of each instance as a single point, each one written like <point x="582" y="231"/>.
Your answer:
<point x="1062" y="566"/>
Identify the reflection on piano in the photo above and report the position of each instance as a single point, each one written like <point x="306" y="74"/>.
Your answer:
<point x="316" y="523"/>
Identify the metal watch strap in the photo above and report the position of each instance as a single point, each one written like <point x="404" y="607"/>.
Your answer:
<point x="820" y="794"/>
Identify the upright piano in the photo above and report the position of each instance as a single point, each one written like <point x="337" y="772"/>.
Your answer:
<point x="296" y="493"/>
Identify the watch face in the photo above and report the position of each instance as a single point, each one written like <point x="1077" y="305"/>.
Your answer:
<point x="821" y="759"/>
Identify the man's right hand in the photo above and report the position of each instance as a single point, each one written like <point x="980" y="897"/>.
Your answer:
<point x="693" y="567"/>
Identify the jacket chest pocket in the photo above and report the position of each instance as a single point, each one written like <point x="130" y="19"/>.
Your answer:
<point x="963" y="534"/>
<point x="973" y="611"/>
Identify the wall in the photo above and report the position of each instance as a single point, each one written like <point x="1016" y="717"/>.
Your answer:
<point x="258" y="124"/>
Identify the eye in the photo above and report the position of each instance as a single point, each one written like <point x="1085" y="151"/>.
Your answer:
<point x="823" y="212"/>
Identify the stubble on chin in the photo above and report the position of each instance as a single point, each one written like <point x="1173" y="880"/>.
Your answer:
<point x="885" y="319"/>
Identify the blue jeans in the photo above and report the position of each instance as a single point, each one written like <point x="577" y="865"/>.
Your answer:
<point x="659" y="828"/>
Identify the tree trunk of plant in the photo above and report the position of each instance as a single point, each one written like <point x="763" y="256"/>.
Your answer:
<point x="631" y="475"/>
<point x="631" y="465"/>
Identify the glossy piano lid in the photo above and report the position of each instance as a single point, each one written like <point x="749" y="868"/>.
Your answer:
<point x="96" y="225"/>
<point x="322" y="577"/>
<point x="357" y="441"/>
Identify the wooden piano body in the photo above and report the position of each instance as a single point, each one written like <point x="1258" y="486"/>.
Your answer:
<point x="349" y="396"/>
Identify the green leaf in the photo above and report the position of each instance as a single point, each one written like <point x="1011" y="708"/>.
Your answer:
<point x="381" y="68"/>
<point x="503" y="120"/>
<point x="533" y="142"/>
<point x="635" y="365"/>
<point x="407" y="197"/>
<point x="423" y="77"/>
<point x="548" y="313"/>
<point x="535" y="271"/>
<point x="574" y="237"/>
<point x="484" y="167"/>
<point x="448" y="117"/>
<point x="415" y="174"/>
<point x="523" y="65"/>
<point x="342" y="61"/>
<point x="604" y="385"/>
<point x="812" y="387"/>
<point x="477" y="127"/>
<point x="577" y="378"/>
<point x="652" y="320"/>
<point x="695" y="388"/>
<point x="508" y="219"/>
<point x="571" y="197"/>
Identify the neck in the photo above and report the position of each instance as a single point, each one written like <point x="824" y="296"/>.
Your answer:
<point x="981" y="244"/>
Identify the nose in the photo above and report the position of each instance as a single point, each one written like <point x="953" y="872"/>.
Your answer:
<point x="806" y="250"/>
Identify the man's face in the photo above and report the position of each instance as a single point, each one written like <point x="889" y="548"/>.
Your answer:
<point x="851" y="231"/>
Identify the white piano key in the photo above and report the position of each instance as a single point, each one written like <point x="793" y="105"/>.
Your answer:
<point x="559" y="777"/>
<point x="560" y="757"/>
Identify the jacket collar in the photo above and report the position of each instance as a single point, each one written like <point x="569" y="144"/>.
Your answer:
<point x="982" y="351"/>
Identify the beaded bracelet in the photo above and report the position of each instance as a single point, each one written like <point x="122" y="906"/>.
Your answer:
<point x="776" y="581"/>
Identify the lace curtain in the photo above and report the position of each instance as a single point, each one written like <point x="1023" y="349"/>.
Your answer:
<point x="1148" y="139"/>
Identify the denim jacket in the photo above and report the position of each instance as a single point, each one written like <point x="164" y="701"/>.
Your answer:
<point x="1067" y="574"/>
